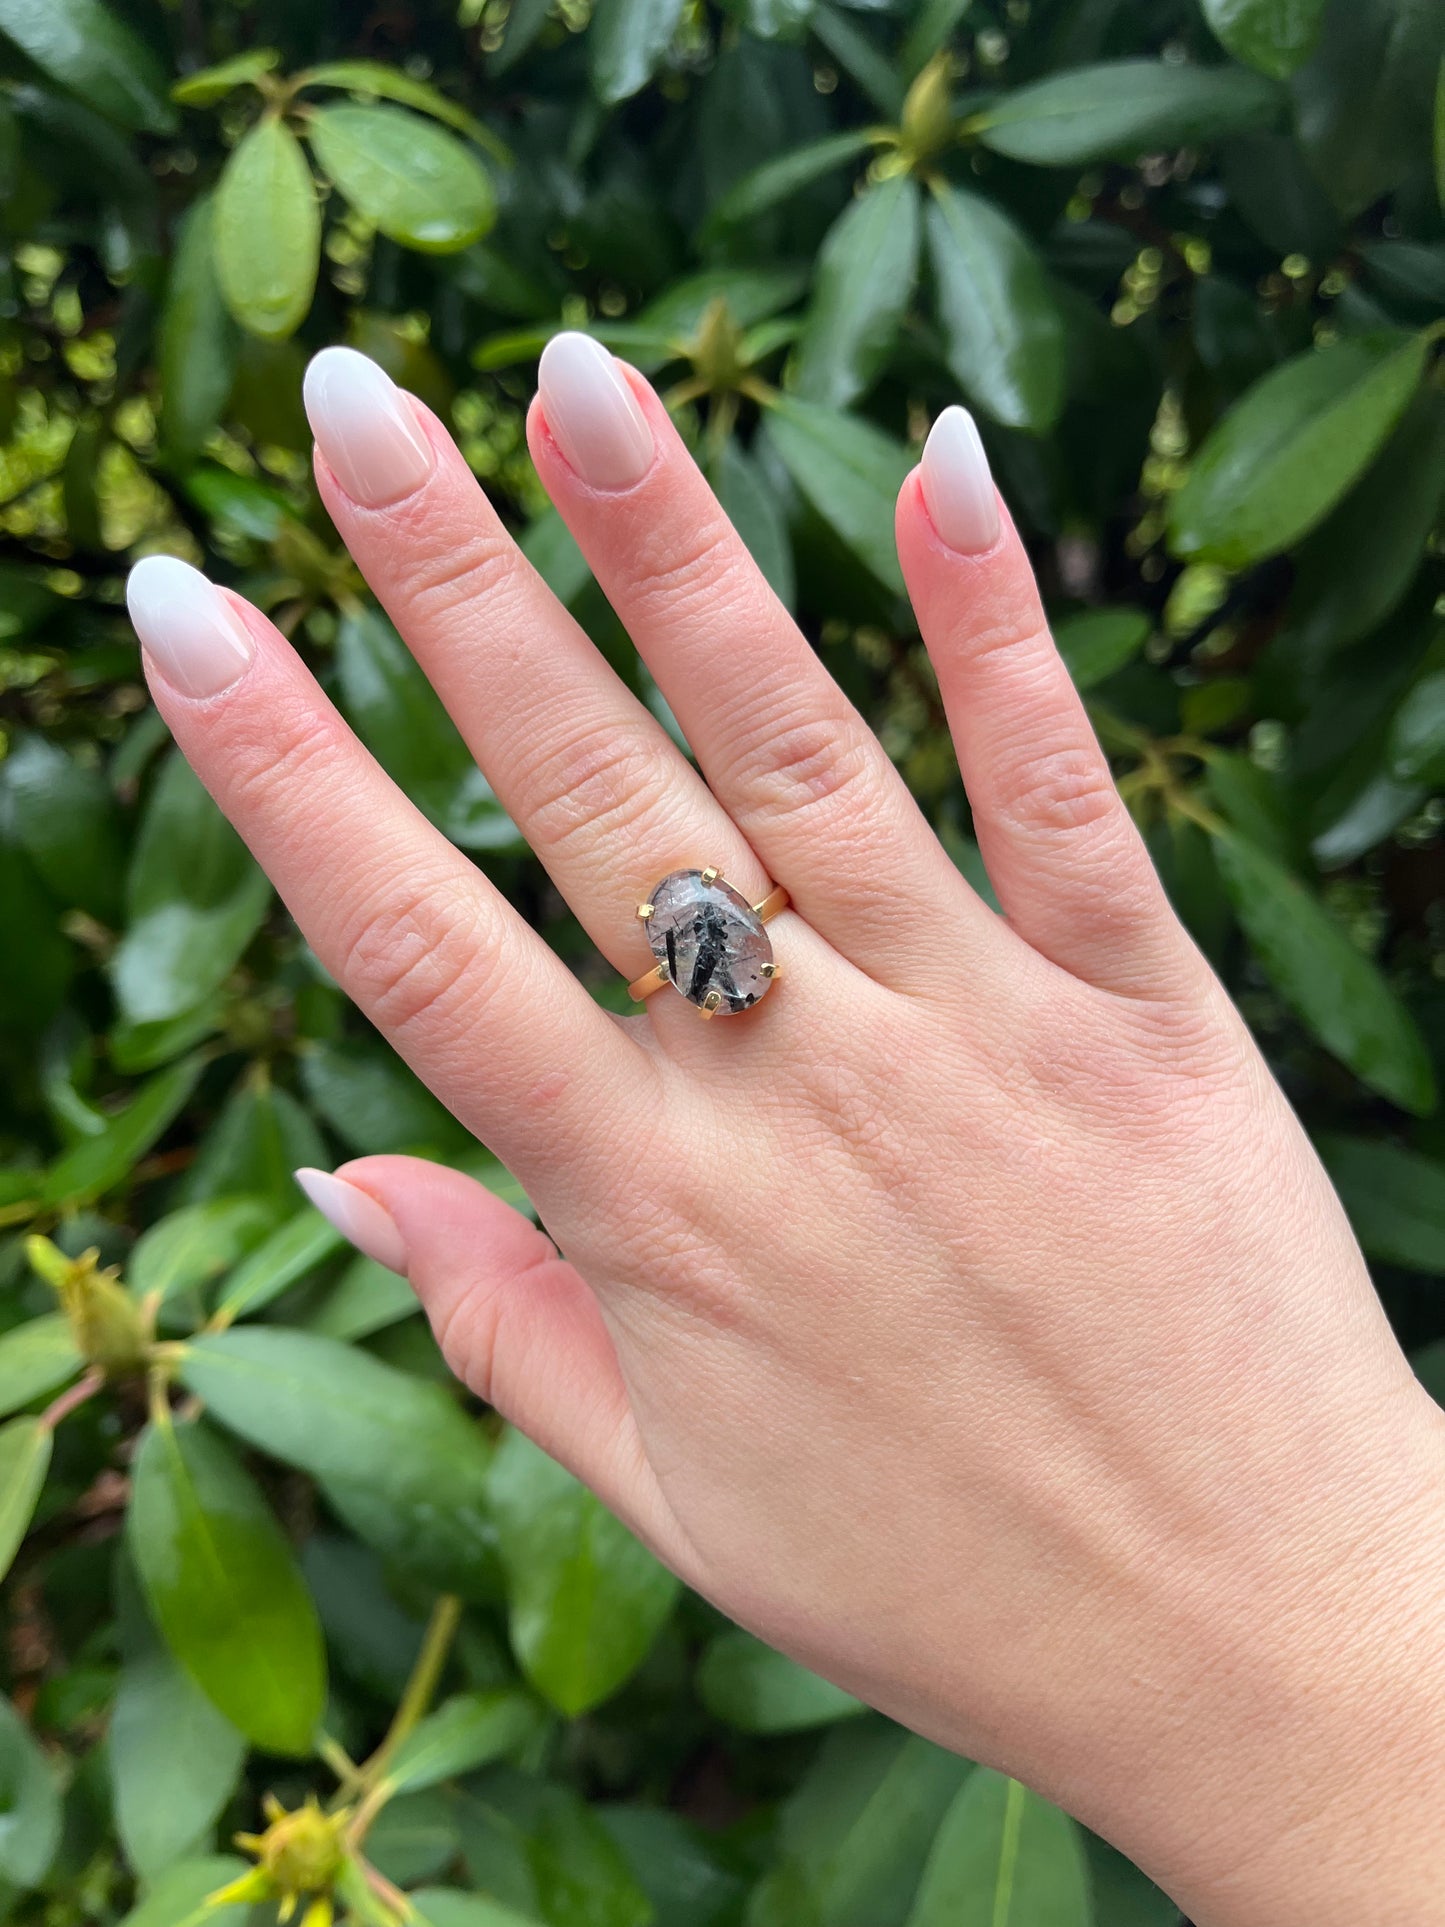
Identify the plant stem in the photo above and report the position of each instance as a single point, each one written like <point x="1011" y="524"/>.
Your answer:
<point x="76" y="1395"/>
<point x="435" y="1645"/>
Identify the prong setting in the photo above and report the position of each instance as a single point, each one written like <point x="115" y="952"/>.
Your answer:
<point x="645" y="911"/>
<point x="710" y="1005"/>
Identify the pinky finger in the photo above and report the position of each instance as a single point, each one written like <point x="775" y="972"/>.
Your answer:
<point x="515" y="1322"/>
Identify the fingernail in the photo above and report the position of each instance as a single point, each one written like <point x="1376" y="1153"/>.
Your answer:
<point x="592" y="412"/>
<point x="363" y="426"/>
<point x="357" y="1216"/>
<point x="957" y="486"/>
<point x="186" y="626"/>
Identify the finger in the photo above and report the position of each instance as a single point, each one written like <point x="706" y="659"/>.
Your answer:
<point x="438" y="960"/>
<point x="588" y="774"/>
<point x="781" y="746"/>
<point x="515" y="1322"/>
<point x="1061" y="849"/>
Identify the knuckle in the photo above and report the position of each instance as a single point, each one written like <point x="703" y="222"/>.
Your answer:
<point x="815" y="761"/>
<point x="472" y="569"/>
<point x="282" y="752"/>
<point x="405" y="964"/>
<point x="1063" y="789"/>
<point x="680" y="572"/>
<point x="597" y="783"/>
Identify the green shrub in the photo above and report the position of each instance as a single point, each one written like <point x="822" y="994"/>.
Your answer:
<point x="1185" y="259"/>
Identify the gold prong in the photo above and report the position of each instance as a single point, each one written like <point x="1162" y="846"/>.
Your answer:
<point x="711" y="1004"/>
<point x="711" y="876"/>
<point x="644" y="911"/>
<point x="770" y="970"/>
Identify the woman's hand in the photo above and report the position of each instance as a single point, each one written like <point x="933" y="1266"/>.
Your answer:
<point x="971" y="1319"/>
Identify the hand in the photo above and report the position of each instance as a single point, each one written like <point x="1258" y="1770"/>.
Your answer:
<point x="971" y="1319"/>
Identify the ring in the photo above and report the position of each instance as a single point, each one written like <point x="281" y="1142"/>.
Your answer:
<point x="709" y="942"/>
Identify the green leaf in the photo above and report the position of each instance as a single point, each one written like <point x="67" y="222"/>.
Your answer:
<point x="197" y="349"/>
<point x="1415" y="752"/>
<point x="195" y="899"/>
<point x="1395" y="1198"/>
<point x="209" y="84"/>
<point x="855" y="1835"/>
<point x="934" y="22"/>
<point x="585" y="1599"/>
<point x="64" y="818"/>
<point x="445" y="1907"/>
<point x="29" y="1803"/>
<point x="864" y="283"/>
<point x="1118" y="109"/>
<point x="1363" y="101"/>
<point x="1440" y="135"/>
<point x="188" y="1248"/>
<point x="400" y="718"/>
<point x="1124" y="1897"/>
<point x="366" y="1298"/>
<point x="35" y="1358"/>
<point x="860" y="59"/>
<point x="1002" y="327"/>
<point x="551" y="548"/>
<point x="174" y="1759"/>
<point x="779" y="179"/>
<point x="1004" y="1858"/>
<point x="1288" y="450"/>
<point x="267" y="231"/>
<point x="224" y="1586"/>
<point x="178" y="1897"/>
<point x="1273" y="36"/>
<point x="289" y="1254"/>
<point x="626" y="44"/>
<point x="397" y="1458"/>
<point x="851" y="474"/>
<point x="98" y="1163"/>
<point x="747" y="1685"/>
<point x="414" y="1837"/>
<point x="82" y="45"/>
<point x="470" y="1730"/>
<point x="1098" y="642"/>
<point x="373" y="1102"/>
<point x="25" y="1446"/>
<point x="752" y="508"/>
<point x="417" y="183"/>
<point x="1338" y="993"/>
<point x="260" y="1139"/>
<point x="375" y="78"/>
<point x="1353" y="571"/>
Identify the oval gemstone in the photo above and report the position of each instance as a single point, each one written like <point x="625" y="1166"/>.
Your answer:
<point x="710" y="942"/>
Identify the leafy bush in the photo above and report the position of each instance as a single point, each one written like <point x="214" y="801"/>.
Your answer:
<point x="1186" y="261"/>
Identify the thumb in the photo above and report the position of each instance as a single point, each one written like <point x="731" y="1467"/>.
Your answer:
<point x="516" y="1323"/>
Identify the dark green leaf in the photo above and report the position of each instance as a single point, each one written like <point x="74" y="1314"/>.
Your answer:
<point x="585" y="1599"/>
<point x="1363" y="102"/>
<point x="851" y="474"/>
<point x="98" y="1163"/>
<point x="416" y="182"/>
<point x="1395" y="1198"/>
<point x="863" y="286"/>
<point x="445" y="1907"/>
<point x="209" y="84"/>
<point x="777" y="180"/>
<point x="1285" y="454"/>
<point x="934" y="22"/>
<point x="278" y="1262"/>
<point x="581" y="1876"/>
<point x="860" y="59"/>
<point x="678" y="1866"/>
<point x="1337" y="992"/>
<point x="1273" y="36"/>
<point x="267" y="229"/>
<point x="64" y="818"/>
<point x="414" y="1837"/>
<point x="1124" y="1897"/>
<point x="1098" y="642"/>
<point x="397" y="1458"/>
<point x="35" y="1358"/>
<point x="365" y="1299"/>
<point x="470" y="1730"/>
<point x="752" y="508"/>
<point x="260" y="1139"/>
<point x="192" y="1246"/>
<point x="224" y="1587"/>
<point x="1416" y="749"/>
<point x="81" y="44"/>
<point x="1003" y="330"/>
<point x="373" y="1102"/>
<point x="748" y="1685"/>
<point x="401" y="720"/>
<point x="29" y="1803"/>
<point x="626" y="43"/>
<point x="195" y="899"/>
<point x="376" y="79"/>
<point x="1004" y="1858"/>
<point x="197" y="353"/>
<point x="24" y="1461"/>
<point x="1119" y="109"/>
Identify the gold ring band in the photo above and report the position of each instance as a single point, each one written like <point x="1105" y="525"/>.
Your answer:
<point x="702" y="883"/>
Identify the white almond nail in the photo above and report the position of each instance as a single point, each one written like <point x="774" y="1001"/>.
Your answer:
<point x="186" y="626"/>
<point x="364" y="427"/>
<point x="592" y="413"/>
<point x="357" y="1216"/>
<point x="957" y="486"/>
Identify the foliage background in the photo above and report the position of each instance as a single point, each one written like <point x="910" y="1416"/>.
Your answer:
<point x="1186" y="261"/>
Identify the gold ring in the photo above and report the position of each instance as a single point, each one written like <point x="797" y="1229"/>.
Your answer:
<point x="709" y="942"/>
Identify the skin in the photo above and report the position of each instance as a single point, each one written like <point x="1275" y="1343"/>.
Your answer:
<point x="972" y="1319"/>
